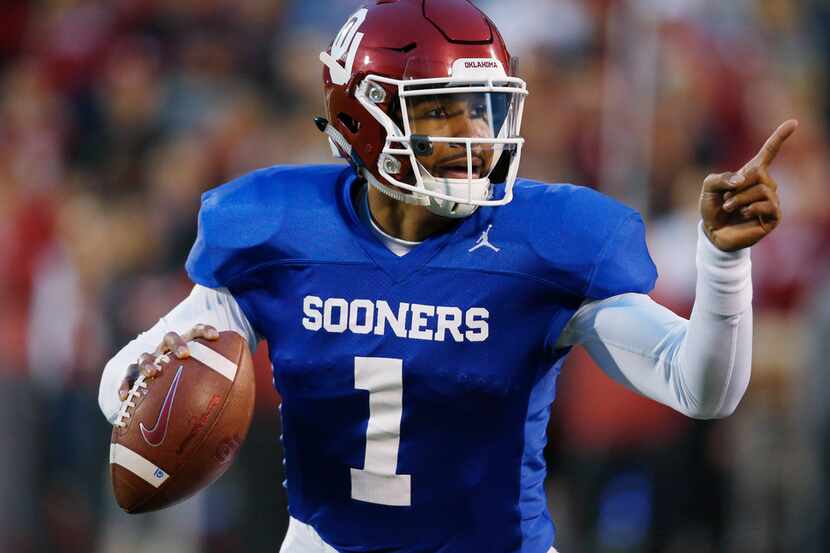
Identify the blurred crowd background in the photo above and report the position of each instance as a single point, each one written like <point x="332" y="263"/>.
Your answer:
<point x="116" y="114"/>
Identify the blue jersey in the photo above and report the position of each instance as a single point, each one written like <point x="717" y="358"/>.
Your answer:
<point x="416" y="390"/>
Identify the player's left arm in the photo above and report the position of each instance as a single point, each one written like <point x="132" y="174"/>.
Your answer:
<point x="701" y="366"/>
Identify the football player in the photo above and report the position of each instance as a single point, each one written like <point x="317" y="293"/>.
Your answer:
<point x="418" y="302"/>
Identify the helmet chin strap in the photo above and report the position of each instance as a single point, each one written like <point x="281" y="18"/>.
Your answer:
<point x="451" y="210"/>
<point x="443" y="208"/>
<point x="481" y="189"/>
<point x="411" y="199"/>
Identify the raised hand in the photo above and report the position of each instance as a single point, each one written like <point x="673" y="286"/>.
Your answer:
<point x="739" y="209"/>
<point x="172" y="343"/>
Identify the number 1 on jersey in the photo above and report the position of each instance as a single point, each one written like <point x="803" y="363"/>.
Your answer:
<point x="377" y="481"/>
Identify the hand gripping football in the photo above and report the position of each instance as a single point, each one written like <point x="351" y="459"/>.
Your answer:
<point x="178" y="432"/>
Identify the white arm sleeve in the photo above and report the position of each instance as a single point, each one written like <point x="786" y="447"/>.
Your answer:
<point x="215" y="307"/>
<point x="700" y="367"/>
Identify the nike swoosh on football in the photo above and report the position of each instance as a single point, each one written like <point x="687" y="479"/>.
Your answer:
<point x="155" y="436"/>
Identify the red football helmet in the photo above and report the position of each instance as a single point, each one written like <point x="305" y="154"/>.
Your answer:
<point x="401" y="71"/>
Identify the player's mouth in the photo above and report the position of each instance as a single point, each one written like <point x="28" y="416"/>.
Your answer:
<point x="457" y="168"/>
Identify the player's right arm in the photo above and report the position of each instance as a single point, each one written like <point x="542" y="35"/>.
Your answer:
<point x="204" y="313"/>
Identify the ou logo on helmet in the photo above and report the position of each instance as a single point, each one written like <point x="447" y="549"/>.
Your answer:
<point x="345" y="45"/>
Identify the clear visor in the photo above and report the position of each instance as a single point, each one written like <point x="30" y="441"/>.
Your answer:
<point x="455" y="135"/>
<point x="455" y="131"/>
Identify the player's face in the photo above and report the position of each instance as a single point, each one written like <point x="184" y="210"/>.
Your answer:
<point x="454" y="115"/>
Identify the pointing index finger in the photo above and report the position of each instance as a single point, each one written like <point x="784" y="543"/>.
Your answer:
<point x="773" y="144"/>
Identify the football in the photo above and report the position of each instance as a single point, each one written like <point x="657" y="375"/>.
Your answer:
<point x="180" y="431"/>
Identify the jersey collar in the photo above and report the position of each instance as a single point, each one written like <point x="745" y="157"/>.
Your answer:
<point x="397" y="268"/>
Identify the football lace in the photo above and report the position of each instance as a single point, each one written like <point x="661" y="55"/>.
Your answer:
<point x="138" y="389"/>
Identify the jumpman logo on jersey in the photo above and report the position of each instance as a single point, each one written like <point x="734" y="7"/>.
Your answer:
<point x="484" y="241"/>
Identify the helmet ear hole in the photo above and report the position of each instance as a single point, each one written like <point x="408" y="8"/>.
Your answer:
<point x="349" y="122"/>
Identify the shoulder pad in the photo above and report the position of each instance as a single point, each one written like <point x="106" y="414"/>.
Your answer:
<point x="589" y="243"/>
<point x="240" y="222"/>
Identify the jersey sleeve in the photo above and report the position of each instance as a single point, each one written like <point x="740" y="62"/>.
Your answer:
<point x="230" y="229"/>
<point x="587" y="244"/>
<point x="624" y="264"/>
